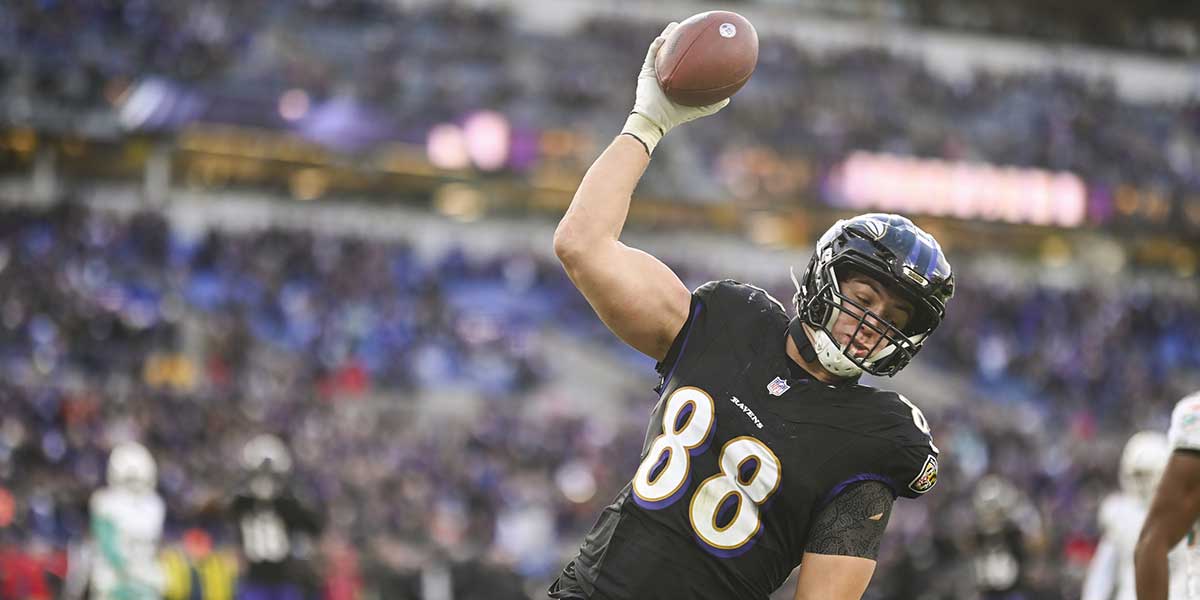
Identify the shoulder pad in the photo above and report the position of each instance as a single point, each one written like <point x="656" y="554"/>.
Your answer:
<point x="913" y="457"/>
<point x="1119" y="510"/>
<point x="731" y="293"/>
<point x="1185" y="424"/>
<point x="912" y="426"/>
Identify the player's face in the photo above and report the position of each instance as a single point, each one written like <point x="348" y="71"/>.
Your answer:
<point x="880" y="301"/>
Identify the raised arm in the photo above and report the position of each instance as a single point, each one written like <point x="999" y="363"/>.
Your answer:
<point x="638" y="297"/>
<point x="844" y="542"/>
<point x="1175" y="508"/>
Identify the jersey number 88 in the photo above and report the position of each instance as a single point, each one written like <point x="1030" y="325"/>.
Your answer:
<point x="749" y="475"/>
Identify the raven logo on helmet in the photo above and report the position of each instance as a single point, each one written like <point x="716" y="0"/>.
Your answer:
<point x="875" y="228"/>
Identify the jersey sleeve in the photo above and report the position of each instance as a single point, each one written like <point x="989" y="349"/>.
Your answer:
<point x="720" y="310"/>
<point x="1185" y="424"/>
<point x="912" y="457"/>
<point x="915" y="470"/>
<point x="852" y="524"/>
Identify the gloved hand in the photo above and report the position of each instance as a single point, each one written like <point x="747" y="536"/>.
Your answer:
<point x="653" y="113"/>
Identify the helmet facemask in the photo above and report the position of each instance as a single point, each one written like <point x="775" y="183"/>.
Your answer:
<point x="893" y="347"/>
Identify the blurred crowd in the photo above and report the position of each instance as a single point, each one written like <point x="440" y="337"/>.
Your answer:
<point x="416" y="396"/>
<point x="1159" y="26"/>
<point x="1093" y="357"/>
<point x="366" y="72"/>
<point x="121" y="329"/>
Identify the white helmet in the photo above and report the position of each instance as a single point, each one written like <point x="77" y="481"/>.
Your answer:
<point x="266" y="452"/>
<point x="994" y="499"/>
<point x="1142" y="463"/>
<point x="130" y="465"/>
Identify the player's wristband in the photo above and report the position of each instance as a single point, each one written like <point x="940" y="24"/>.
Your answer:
<point x="643" y="130"/>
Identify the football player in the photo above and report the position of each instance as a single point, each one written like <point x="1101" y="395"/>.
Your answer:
<point x="764" y="452"/>
<point x="1006" y="535"/>
<point x="1110" y="575"/>
<point x="276" y="529"/>
<point x="1174" y="512"/>
<point x="127" y="521"/>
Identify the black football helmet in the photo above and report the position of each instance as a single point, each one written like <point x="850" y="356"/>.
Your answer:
<point x="897" y="253"/>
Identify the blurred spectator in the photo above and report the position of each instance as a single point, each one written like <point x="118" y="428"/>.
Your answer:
<point x="194" y="571"/>
<point x="30" y="570"/>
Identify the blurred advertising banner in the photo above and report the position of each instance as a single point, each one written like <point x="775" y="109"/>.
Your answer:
<point x="872" y="181"/>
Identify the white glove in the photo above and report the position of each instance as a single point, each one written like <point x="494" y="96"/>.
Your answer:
<point x="653" y="113"/>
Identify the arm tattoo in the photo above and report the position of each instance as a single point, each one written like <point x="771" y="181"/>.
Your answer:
<point x="853" y="523"/>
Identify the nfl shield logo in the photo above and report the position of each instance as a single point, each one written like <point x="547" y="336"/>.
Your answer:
<point x="778" y="387"/>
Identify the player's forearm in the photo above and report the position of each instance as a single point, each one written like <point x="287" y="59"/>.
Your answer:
<point x="597" y="212"/>
<point x="833" y="577"/>
<point x="1150" y="568"/>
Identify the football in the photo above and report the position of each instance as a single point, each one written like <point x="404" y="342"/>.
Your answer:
<point x="707" y="58"/>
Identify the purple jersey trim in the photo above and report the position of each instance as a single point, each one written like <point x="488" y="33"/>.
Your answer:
<point x="837" y="489"/>
<point x="665" y="502"/>
<point x="731" y="552"/>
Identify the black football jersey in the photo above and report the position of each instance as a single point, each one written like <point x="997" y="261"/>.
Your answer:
<point x="274" y="533"/>
<point x="998" y="559"/>
<point x="740" y="455"/>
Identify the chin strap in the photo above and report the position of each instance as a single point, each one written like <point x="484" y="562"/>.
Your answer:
<point x="796" y="331"/>
<point x="809" y="353"/>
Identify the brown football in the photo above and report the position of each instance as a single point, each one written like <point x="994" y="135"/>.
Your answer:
<point x="707" y="58"/>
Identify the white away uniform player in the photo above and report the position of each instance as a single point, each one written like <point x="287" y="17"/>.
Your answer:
<point x="127" y="521"/>
<point x="1173" y="513"/>
<point x="1110" y="575"/>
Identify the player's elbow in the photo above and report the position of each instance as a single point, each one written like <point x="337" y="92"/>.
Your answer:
<point x="565" y="244"/>
<point x="1149" y="545"/>
<point x="570" y="243"/>
<point x="1141" y="549"/>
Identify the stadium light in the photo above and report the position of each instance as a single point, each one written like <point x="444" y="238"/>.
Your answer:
<point x="446" y="147"/>
<point x="487" y="135"/>
<point x="293" y="105"/>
